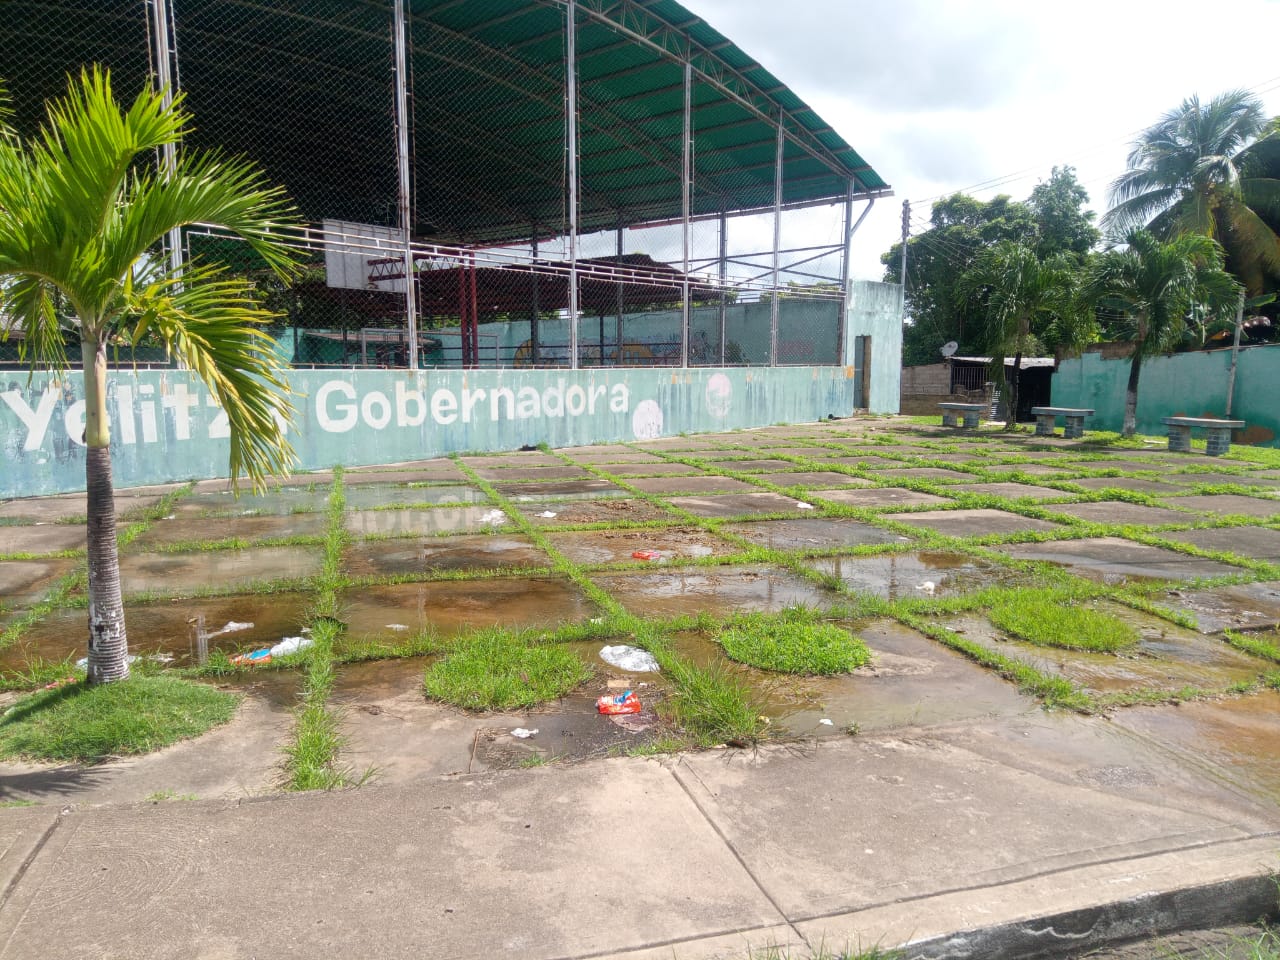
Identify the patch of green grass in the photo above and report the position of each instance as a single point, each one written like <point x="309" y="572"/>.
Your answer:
<point x="711" y="704"/>
<point x="160" y="796"/>
<point x="10" y="804"/>
<point x="789" y="646"/>
<point x="38" y="673"/>
<point x="497" y="670"/>
<point x="77" y="722"/>
<point x="1254" y="646"/>
<point x="1047" y="622"/>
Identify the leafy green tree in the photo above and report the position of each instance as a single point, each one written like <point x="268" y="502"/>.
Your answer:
<point x="1053" y="221"/>
<point x="82" y="214"/>
<point x="1212" y="169"/>
<point x="1157" y="286"/>
<point x="1019" y="292"/>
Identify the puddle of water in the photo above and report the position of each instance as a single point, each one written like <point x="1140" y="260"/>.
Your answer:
<point x="480" y="552"/>
<point x="283" y="500"/>
<point x="1114" y="560"/>
<point x="896" y="576"/>
<point x="167" y="628"/>
<point x="1245" y="606"/>
<point x="1234" y="741"/>
<point x="1166" y="658"/>
<point x="404" y="523"/>
<point x="246" y="528"/>
<point x="811" y="534"/>
<point x="175" y="572"/>
<point x="377" y="495"/>
<point x="454" y="606"/>
<point x="720" y="590"/>
<point x="611" y="546"/>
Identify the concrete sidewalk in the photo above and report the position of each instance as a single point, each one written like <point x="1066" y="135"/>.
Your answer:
<point x="923" y="836"/>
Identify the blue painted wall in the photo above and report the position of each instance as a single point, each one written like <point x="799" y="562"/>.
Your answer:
<point x="1185" y="384"/>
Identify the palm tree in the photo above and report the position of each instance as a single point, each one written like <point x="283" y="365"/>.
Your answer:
<point x="1209" y="169"/>
<point x="1156" y="286"/>
<point x="82" y="215"/>
<point x="1019" y="289"/>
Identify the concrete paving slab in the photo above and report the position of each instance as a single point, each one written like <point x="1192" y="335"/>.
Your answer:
<point x="23" y="582"/>
<point x="665" y="486"/>
<point x="42" y="538"/>
<point x="438" y="472"/>
<point x="384" y="495"/>
<point x="21" y="831"/>
<point x="491" y="551"/>
<point x="165" y="531"/>
<point x="518" y="473"/>
<point x="593" y="487"/>
<point x="972" y="523"/>
<point x="44" y="509"/>
<point x="1118" y="511"/>
<point x="896" y="576"/>
<point x="406" y="523"/>
<point x="917" y="817"/>
<point x="1244" y="606"/>
<point x="614" y="546"/>
<point x="867" y="462"/>
<point x="1259" y="480"/>
<point x="720" y="591"/>
<point x="484" y="844"/>
<point x="1227" y="504"/>
<point x="1259" y="543"/>
<point x="661" y="468"/>
<point x="749" y="466"/>
<point x="819" y="478"/>
<point x="603" y="510"/>
<point x="737" y="505"/>
<point x="811" y="533"/>
<point x="610" y="454"/>
<point x="1013" y="491"/>
<point x="1125" y="466"/>
<point x="1115" y="560"/>
<point x="1032" y="469"/>
<point x="172" y="573"/>
<point x="934" y="474"/>
<point x="880" y="497"/>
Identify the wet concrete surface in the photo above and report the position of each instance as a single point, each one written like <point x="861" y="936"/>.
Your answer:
<point x="437" y="520"/>
<point x="69" y="507"/>
<point x="520" y="474"/>
<point x="1259" y="480"/>
<point x="1012" y="491"/>
<point x="23" y="582"/>
<point x="485" y="551"/>
<point x="915" y="576"/>
<point x="750" y="466"/>
<point x="1245" y="606"/>
<point x="433" y="471"/>
<point x="667" y="486"/>
<point x="378" y="495"/>
<point x="811" y="534"/>
<point x="174" y="573"/>
<point x="613" y="546"/>
<point x="720" y="590"/>
<point x="277" y="502"/>
<point x="881" y="497"/>
<point x="1258" y="543"/>
<point x="868" y="462"/>
<point x="163" y="532"/>
<point x="659" y="468"/>
<point x="932" y="474"/>
<point x="45" y="538"/>
<point x="168" y="628"/>
<point x="1113" y="560"/>
<point x="560" y="488"/>
<point x="610" y="510"/>
<point x="1117" y="511"/>
<point x="815" y="479"/>
<point x="1132" y="484"/>
<point x="972" y="523"/>
<point x="738" y="505"/>
<point x="450" y="607"/>
<point x="1167" y="657"/>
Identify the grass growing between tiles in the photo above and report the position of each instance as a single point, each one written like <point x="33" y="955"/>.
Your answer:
<point x="1045" y="622"/>
<point x="499" y="670"/>
<point x="792" y="645"/>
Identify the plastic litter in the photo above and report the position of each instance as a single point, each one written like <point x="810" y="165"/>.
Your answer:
<point x="626" y="657"/>
<point x="264" y="654"/>
<point x="232" y="626"/>
<point x="623" y="703"/>
<point x="522" y="733"/>
<point x="494" y="517"/>
<point x="801" y="505"/>
<point x="928" y="587"/>
<point x="646" y="555"/>
<point x="827" y="723"/>
<point x="547" y="514"/>
<point x="398" y="627"/>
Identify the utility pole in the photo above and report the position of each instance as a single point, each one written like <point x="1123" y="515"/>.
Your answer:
<point x="906" y="232"/>
<point x="1235" y="350"/>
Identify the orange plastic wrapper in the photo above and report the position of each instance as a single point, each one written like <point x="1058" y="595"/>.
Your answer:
<point x="628" y="703"/>
<point x="646" y="555"/>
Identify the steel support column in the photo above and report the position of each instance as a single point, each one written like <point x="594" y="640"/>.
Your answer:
<point x="777" y="241"/>
<point x="571" y="137"/>
<point x="724" y="276"/>
<point x="686" y="183"/>
<point x="850" y="228"/>
<point x="404" y="201"/>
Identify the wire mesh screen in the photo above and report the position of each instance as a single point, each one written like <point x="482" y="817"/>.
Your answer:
<point x="678" y="241"/>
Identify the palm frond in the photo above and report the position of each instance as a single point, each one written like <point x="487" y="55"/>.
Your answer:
<point x="29" y="305"/>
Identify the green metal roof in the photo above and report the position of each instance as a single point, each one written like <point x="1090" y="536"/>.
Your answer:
<point x="305" y="88"/>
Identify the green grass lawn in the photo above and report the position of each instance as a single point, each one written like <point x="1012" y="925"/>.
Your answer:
<point x="1047" y="622"/>
<point x="496" y="670"/>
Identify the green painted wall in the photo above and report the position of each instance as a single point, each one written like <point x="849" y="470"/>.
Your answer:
<point x="166" y="428"/>
<point x="875" y="311"/>
<point x="1185" y="384"/>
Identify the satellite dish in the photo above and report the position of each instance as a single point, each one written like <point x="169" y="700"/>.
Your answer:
<point x="949" y="348"/>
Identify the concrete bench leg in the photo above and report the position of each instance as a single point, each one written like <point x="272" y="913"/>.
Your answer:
<point x="970" y="421"/>
<point x="1074" y="429"/>
<point x="1179" y="439"/>
<point x="1218" y="441"/>
<point x="1045" y="423"/>
<point x="949" y="419"/>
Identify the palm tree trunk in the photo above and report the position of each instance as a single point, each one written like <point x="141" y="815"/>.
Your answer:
<point x="1011" y="421"/>
<point x="1131" y="393"/>
<point x="108" y="646"/>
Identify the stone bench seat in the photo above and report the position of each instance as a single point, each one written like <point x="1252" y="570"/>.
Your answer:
<point x="1217" y="433"/>
<point x="963" y="415"/>
<point x="1047" y="419"/>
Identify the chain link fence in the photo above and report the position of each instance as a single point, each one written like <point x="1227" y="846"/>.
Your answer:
<point x="573" y="184"/>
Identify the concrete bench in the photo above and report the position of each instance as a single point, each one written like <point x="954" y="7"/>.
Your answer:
<point x="971" y="412"/>
<point x="1047" y="419"/>
<point x="1217" y="433"/>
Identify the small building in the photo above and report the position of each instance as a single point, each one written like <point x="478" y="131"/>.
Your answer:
<point x="970" y="379"/>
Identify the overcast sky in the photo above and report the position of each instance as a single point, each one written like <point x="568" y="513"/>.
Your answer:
<point x="941" y="95"/>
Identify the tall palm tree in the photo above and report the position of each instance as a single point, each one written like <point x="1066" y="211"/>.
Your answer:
<point x="82" y="214"/>
<point x="1209" y="169"/>
<point x="1019" y="289"/>
<point x="1156" y="286"/>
